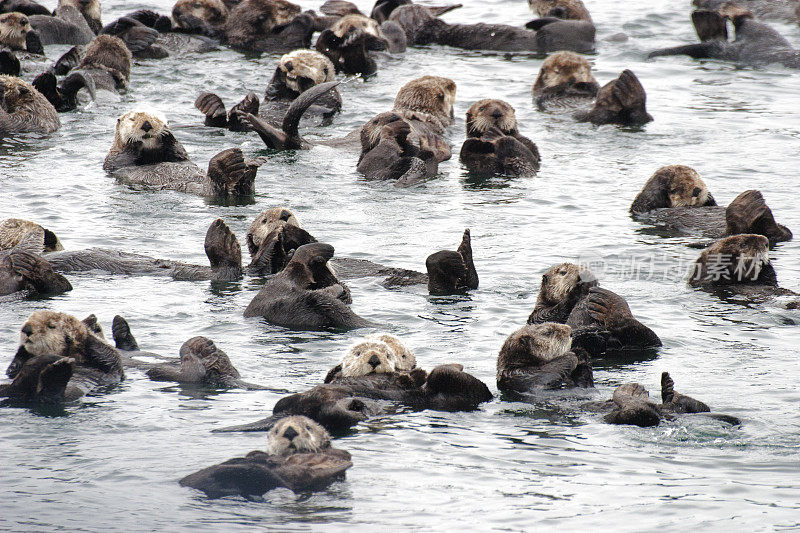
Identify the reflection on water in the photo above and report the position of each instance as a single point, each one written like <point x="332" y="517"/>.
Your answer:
<point x="511" y="465"/>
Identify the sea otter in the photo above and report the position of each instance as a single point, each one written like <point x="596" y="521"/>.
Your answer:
<point x="205" y="17"/>
<point x="272" y="238"/>
<point x="47" y="333"/>
<point x="538" y="357"/>
<point x="268" y="26"/>
<point x="299" y="457"/>
<point x="755" y="44"/>
<point x="494" y="144"/>
<point x="565" y="9"/>
<point x="422" y="27"/>
<point x="145" y="152"/>
<point x="221" y="247"/>
<point x="348" y="42"/>
<point x="296" y="72"/>
<point x="306" y="295"/>
<point x="631" y="405"/>
<point x="785" y="10"/>
<point x="73" y="22"/>
<point x="15" y="230"/>
<point x="108" y="62"/>
<point x="565" y="80"/>
<point x="620" y="101"/>
<point x="600" y="319"/>
<point x="16" y="33"/>
<point x="22" y="271"/>
<point x="426" y="103"/>
<point x="676" y="199"/>
<point x="378" y="354"/>
<point x="23" y="109"/>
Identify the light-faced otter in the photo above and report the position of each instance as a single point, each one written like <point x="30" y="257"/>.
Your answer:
<point x="46" y="333"/>
<point x="676" y="199"/>
<point x="23" y="109"/>
<point x="348" y="42"/>
<point x="565" y="81"/>
<point x="145" y="152"/>
<point x="221" y="246"/>
<point x="565" y="9"/>
<point x="268" y="26"/>
<point x="538" y="357"/>
<point x="373" y="356"/>
<point x="306" y="295"/>
<point x="73" y="22"/>
<point x="422" y="27"/>
<point x="42" y="379"/>
<point x="296" y="72"/>
<point x="16" y="34"/>
<point x="14" y="230"/>
<point x="108" y="62"/>
<point x="494" y="144"/>
<point x="631" y="405"/>
<point x="620" y="101"/>
<point x="600" y="319"/>
<point x="452" y="272"/>
<point x="22" y="271"/>
<point x="755" y="44"/>
<point x="299" y="457"/>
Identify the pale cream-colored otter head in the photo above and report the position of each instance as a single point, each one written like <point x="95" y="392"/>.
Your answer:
<point x="534" y="345"/>
<point x="683" y="186"/>
<point x="267" y="222"/>
<point x="486" y="114"/>
<point x="141" y="127"/>
<point x="14" y="27"/>
<point x="354" y="22"/>
<point x="560" y="280"/>
<point x="305" y="68"/>
<point x="368" y="357"/>
<point x="404" y="357"/>
<point x="297" y="434"/>
<point x="90" y="9"/>
<point x="213" y="12"/>
<point x="51" y="333"/>
<point x="426" y="97"/>
<point x="564" y="69"/>
<point x="14" y="230"/>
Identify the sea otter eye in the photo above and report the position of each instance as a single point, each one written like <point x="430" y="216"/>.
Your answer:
<point x="562" y="272"/>
<point x="50" y="325"/>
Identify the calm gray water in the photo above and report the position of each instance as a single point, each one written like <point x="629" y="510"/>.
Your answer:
<point x="112" y="462"/>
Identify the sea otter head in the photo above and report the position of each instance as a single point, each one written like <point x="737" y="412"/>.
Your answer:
<point x="430" y="95"/>
<point x="734" y="260"/>
<point x="484" y="115"/>
<point x="302" y="69"/>
<point x="354" y="23"/>
<point x="404" y="357"/>
<point x="212" y="12"/>
<point x="256" y="18"/>
<point x="111" y="52"/>
<point x="51" y="333"/>
<point x="13" y="29"/>
<point x="267" y="222"/>
<point x="200" y="359"/>
<point x="369" y="357"/>
<point x="14" y="230"/>
<point x="371" y="131"/>
<point x="144" y="128"/>
<point x="566" y="74"/>
<point x="684" y="186"/>
<point x="534" y="345"/>
<point x="297" y="434"/>
<point x="15" y="93"/>
<point x="560" y="280"/>
<point x="411" y="18"/>
<point x="308" y="267"/>
<point x="563" y="9"/>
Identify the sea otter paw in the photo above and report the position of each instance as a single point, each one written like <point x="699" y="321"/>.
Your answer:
<point x="212" y="107"/>
<point x="227" y="167"/>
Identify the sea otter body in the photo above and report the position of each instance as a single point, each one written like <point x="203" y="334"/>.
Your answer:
<point x="23" y="109"/>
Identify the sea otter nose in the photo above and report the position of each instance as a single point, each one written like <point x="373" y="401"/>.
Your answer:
<point x="497" y="113"/>
<point x="147" y="126"/>
<point x="374" y="361"/>
<point x="289" y="65"/>
<point x="290" y="434"/>
<point x="27" y="329"/>
<point x="696" y="192"/>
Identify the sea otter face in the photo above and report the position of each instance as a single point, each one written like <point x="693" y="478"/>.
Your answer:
<point x="429" y="94"/>
<point x="89" y="8"/>
<point x="354" y="23"/>
<point x="51" y="333"/>
<point x="564" y="9"/>
<point x="370" y="357"/>
<point x="566" y="70"/>
<point x="14" y="230"/>
<point x="737" y="259"/>
<point x="297" y="434"/>
<point x="267" y="222"/>
<point x="560" y="280"/>
<point x="213" y="12"/>
<point x="684" y="186"/>
<point x="303" y="69"/>
<point x="404" y="357"/>
<point x="371" y="131"/>
<point x="487" y="114"/>
<point x="535" y="345"/>
<point x="13" y="28"/>
<point x="145" y="128"/>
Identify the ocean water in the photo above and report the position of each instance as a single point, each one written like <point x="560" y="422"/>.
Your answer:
<point x="111" y="462"/>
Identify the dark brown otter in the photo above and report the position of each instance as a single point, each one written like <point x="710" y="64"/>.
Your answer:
<point x="299" y="457"/>
<point x="621" y="101"/>
<point x="452" y="272"/>
<point x="306" y="295"/>
<point x="204" y="17"/>
<point x="494" y="144"/>
<point x="42" y="379"/>
<point x="565" y="9"/>
<point x="268" y="26"/>
<point x="221" y="247"/>
<point x="538" y="357"/>
<point x="23" y="109"/>
<point x="348" y="43"/>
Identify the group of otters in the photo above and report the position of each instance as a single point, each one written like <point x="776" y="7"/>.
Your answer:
<point x="61" y="358"/>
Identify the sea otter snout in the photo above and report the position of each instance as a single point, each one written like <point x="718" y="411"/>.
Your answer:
<point x="295" y="434"/>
